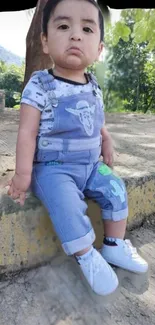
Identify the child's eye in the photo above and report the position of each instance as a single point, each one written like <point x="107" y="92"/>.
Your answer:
<point x="87" y="30"/>
<point x="63" y="27"/>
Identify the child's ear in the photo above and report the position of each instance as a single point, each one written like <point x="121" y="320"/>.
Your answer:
<point x="100" y="48"/>
<point x="44" y="43"/>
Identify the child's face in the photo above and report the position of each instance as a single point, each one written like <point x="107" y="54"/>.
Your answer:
<point x="73" y="39"/>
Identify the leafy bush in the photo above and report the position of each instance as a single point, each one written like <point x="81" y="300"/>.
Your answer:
<point x="11" y="80"/>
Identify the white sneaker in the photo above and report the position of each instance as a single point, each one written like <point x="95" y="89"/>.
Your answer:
<point x="124" y="255"/>
<point x="99" y="274"/>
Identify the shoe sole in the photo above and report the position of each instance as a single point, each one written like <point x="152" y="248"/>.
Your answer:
<point x="122" y="267"/>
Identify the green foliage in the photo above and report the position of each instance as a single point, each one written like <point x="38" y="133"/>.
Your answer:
<point x="11" y="80"/>
<point x="127" y="76"/>
<point x="3" y="67"/>
<point x="143" y="29"/>
<point x="16" y="106"/>
<point x="121" y="31"/>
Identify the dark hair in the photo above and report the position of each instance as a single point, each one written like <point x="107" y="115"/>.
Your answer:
<point x="50" y="7"/>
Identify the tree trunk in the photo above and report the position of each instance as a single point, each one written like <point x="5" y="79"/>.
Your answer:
<point x="35" y="58"/>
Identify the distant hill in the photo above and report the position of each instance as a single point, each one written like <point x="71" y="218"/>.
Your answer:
<point x="10" y="58"/>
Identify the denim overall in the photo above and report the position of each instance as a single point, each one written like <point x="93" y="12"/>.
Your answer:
<point x="67" y="167"/>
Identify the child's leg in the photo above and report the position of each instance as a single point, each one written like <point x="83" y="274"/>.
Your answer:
<point x="115" y="229"/>
<point x="109" y="191"/>
<point x="65" y="203"/>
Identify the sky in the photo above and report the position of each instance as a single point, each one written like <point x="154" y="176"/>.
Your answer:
<point x="15" y="25"/>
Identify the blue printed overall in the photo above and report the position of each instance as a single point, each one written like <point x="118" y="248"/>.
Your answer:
<point x="67" y="167"/>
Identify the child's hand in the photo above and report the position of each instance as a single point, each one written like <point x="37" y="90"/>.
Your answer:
<point x="108" y="152"/>
<point x="18" y="186"/>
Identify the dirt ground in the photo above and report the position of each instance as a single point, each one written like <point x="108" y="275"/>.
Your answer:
<point x="134" y="142"/>
<point x="55" y="294"/>
<point x="133" y="137"/>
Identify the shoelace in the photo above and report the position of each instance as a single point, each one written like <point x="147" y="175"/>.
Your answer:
<point x="128" y="247"/>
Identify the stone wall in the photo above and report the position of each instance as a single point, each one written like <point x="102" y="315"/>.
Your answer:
<point x="2" y="99"/>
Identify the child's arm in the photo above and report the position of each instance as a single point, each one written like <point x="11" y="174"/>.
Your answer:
<point x="25" y="149"/>
<point x="107" y="147"/>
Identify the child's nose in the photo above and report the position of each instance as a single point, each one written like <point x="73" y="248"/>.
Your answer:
<point x="76" y="35"/>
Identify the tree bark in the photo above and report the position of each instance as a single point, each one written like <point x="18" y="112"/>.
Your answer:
<point x="35" y="58"/>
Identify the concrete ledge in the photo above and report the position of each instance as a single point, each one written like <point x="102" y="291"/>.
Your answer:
<point x="27" y="237"/>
